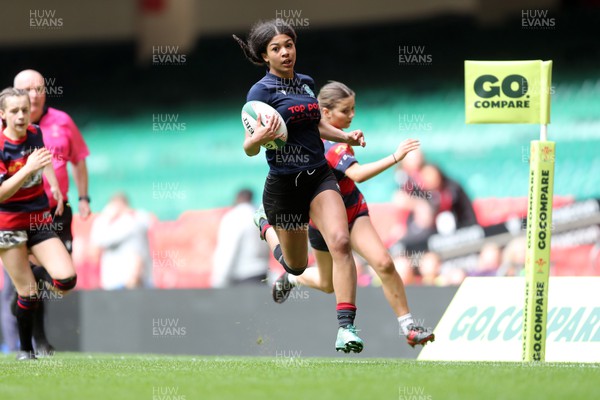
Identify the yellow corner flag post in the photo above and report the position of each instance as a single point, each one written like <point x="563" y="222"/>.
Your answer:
<point x="519" y="92"/>
<point x="537" y="258"/>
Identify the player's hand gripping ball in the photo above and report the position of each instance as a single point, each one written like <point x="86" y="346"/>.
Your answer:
<point x="250" y="112"/>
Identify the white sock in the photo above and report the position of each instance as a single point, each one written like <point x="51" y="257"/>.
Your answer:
<point x="293" y="279"/>
<point x="404" y="321"/>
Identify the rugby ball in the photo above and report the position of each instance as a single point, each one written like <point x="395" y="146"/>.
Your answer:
<point x="249" y="113"/>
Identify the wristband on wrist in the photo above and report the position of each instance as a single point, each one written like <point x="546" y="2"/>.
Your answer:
<point x="86" y="198"/>
<point x="395" y="161"/>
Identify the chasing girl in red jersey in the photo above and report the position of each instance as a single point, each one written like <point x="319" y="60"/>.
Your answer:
<point x="337" y="103"/>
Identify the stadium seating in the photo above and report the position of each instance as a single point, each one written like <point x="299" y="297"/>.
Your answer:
<point x="182" y="249"/>
<point x="174" y="171"/>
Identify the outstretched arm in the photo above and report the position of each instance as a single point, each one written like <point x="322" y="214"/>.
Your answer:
<point x="330" y="132"/>
<point x="362" y="172"/>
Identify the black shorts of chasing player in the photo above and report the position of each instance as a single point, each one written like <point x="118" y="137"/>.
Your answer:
<point x="60" y="227"/>
<point x="39" y="235"/>
<point x="317" y="241"/>
<point x="61" y="224"/>
<point x="287" y="198"/>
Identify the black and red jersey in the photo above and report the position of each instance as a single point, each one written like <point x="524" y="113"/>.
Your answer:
<point x="340" y="156"/>
<point x="29" y="205"/>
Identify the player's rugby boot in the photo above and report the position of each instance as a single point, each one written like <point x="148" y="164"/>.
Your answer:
<point x="259" y="216"/>
<point x="348" y="340"/>
<point x="281" y="288"/>
<point x="418" y="335"/>
<point x="25" y="355"/>
<point x="44" y="350"/>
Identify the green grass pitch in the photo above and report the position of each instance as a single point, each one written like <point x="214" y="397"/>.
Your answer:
<point x="159" y="377"/>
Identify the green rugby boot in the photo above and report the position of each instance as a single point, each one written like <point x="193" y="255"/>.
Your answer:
<point x="260" y="218"/>
<point x="348" y="340"/>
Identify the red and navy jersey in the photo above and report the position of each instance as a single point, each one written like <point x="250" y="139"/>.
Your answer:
<point x="29" y="205"/>
<point x="295" y="100"/>
<point x="340" y="156"/>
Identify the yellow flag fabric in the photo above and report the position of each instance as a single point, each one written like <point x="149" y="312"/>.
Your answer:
<point x="513" y="92"/>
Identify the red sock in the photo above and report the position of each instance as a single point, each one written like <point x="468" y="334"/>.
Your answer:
<point x="263" y="229"/>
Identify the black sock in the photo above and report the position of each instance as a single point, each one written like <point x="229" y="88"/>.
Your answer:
<point x="278" y="254"/>
<point x="263" y="226"/>
<point x="263" y="222"/>
<point x="25" y="309"/>
<point x="39" y="331"/>
<point x="346" y="312"/>
<point x="41" y="274"/>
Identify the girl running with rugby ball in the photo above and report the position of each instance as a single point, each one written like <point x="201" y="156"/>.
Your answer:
<point x="300" y="186"/>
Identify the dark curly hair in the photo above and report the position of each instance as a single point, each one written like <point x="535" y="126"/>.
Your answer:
<point x="260" y="35"/>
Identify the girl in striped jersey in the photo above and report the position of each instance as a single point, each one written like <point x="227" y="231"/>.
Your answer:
<point x="337" y="102"/>
<point x="25" y="215"/>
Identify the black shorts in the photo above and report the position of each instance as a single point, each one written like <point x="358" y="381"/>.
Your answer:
<point x="287" y="198"/>
<point x="37" y="236"/>
<point x="317" y="241"/>
<point x="60" y="227"/>
<point x="61" y="224"/>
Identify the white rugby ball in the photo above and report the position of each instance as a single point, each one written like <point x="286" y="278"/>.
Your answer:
<point x="249" y="113"/>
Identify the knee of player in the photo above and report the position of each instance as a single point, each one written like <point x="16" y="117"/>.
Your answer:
<point x="66" y="284"/>
<point x="384" y="265"/>
<point x="339" y="242"/>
